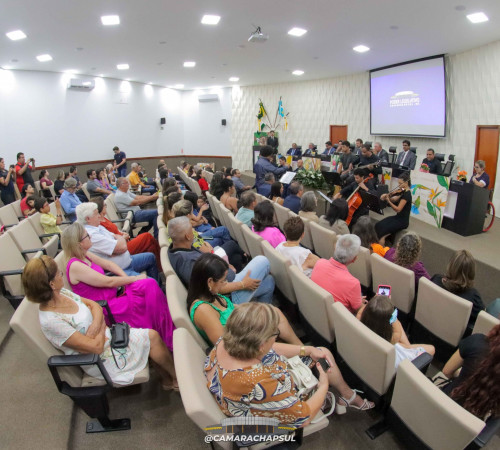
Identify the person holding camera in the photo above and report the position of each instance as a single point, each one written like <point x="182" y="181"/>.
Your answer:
<point x="24" y="170"/>
<point x="7" y="193"/>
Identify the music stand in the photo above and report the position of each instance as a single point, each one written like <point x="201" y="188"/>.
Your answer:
<point x="332" y="178"/>
<point x="371" y="201"/>
<point x="397" y="170"/>
<point x="327" y="199"/>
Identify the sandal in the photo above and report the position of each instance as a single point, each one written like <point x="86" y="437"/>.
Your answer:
<point x="342" y="409"/>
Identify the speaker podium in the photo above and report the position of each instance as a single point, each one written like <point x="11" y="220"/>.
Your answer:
<point x="472" y="203"/>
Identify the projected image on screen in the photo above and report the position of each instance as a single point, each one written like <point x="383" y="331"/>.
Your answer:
<point x="409" y="99"/>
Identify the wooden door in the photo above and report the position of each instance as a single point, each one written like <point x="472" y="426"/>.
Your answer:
<point x="338" y="132"/>
<point x="487" y="141"/>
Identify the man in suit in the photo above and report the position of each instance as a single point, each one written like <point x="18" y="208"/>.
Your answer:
<point x="407" y="158"/>
<point x="380" y="152"/>
<point x="292" y="201"/>
<point x="294" y="151"/>
<point x="311" y="151"/>
<point x="329" y="150"/>
<point x="273" y="141"/>
<point x="432" y="162"/>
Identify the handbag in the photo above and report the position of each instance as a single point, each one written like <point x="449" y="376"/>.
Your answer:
<point x="120" y="337"/>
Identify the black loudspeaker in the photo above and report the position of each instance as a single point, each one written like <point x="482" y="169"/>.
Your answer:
<point x="223" y="122"/>
<point x="163" y="121"/>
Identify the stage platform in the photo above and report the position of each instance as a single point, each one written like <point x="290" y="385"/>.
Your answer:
<point x="440" y="244"/>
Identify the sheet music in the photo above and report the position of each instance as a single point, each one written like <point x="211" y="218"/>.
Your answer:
<point x="287" y="177"/>
<point x="328" y="199"/>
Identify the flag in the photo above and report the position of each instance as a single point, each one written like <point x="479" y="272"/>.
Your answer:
<point x="260" y="115"/>
<point x="280" y="109"/>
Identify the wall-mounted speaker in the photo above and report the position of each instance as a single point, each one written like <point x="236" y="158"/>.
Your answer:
<point x="223" y="122"/>
<point x="163" y="121"/>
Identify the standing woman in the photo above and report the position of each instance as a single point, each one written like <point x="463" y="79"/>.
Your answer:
<point x="7" y="192"/>
<point x="399" y="201"/>
<point x="480" y="177"/>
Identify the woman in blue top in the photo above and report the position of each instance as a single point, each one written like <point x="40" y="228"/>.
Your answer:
<point x="481" y="178"/>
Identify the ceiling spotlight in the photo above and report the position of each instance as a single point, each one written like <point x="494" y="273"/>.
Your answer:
<point x="189" y="64"/>
<point x="110" y="20"/>
<point x="71" y="71"/>
<point x="258" y="36"/>
<point x="44" y="58"/>
<point x="298" y="72"/>
<point x="361" y="48"/>
<point x="122" y="66"/>
<point x="178" y="86"/>
<point x="208" y="19"/>
<point x="15" y="35"/>
<point x="297" y="32"/>
<point x="478" y="17"/>
<point x="234" y="79"/>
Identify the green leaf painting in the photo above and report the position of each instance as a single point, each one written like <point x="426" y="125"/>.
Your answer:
<point x="442" y="181"/>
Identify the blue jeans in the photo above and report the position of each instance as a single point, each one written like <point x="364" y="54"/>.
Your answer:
<point x="151" y="189"/>
<point x="143" y="262"/>
<point x="122" y="171"/>
<point x="259" y="268"/>
<point x="150" y="216"/>
<point x="220" y="236"/>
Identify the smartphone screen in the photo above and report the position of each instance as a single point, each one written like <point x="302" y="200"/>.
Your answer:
<point x="384" y="290"/>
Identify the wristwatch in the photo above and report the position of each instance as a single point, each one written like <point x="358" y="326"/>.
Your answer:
<point x="302" y="351"/>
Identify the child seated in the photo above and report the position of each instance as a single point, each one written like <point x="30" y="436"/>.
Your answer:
<point x="48" y="221"/>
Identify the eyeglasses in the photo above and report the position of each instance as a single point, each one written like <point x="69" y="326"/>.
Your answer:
<point x="84" y="237"/>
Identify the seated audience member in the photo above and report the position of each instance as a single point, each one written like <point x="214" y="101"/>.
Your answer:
<point x="172" y="189"/>
<point x="144" y="177"/>
<point x="265" y="188"/>
<point x="308" y="205"/>
<point x="254" y="282"/>
<point x="276" y="193"/>
<point x="263" y="224"/>
<point x="380" y="316"/>
<point x="295" y="192"/>
<point x="311" y="150"/>
<point x="246" y="212"/>
<point x="163" y="175"/>
<point x="168" y="183"/>
<point x="432" y="162"/>
<point x="59" y="182"/>
<point x="137" y="300"/>
<point x="102" y="179"/>
<point x="238" y="184"/>
<point x="113" y="246"/>
<point x="407" y="254"/>
<point x="190" y="171"/>
<point x="459" y="280"/>
<point x="209" y="309"/>
<point x="94" y="186"/>
<point x="168" y="203"/>
<point x="111" y="176"/>
<point x="365" y="230"/>
<point x="332" y="274"/>
<point x="49" y="222"/>
<point x="227" y="198"/>
<point x="220" y="235"/>
<point x="27" y="204"/>
<point x="135" y="180"/>
<point x="380" y="152"/>
<point x="69" y="199"/>
<point x="73" y="171"/>
<point x="201" y="181"/>
<point x="7" y="177"/>
<point x="247" y="348"/>
<point x="407" y="158"/>
<point x="291" y="249"/>
<point x="336" y="216"/>
<point x="475" y="387"/>
<point x="143" y="243"/>
<point x="294" y="151"/>
<point x="282" y="162"/>
<point x="76" y="325"/>
<point x="126" y="200"/>
<point x="215" y="185"/>
<point x="45" y="182"/>
<point x="200" y="222"/>
<point x="300" y="166"/>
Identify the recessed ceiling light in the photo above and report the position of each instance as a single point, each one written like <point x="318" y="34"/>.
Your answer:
<point x="101" y="75"/>
<point x="234" y="79"/>
<point x="44" y="58"/>
<point x="189" y="64"/>
<point x="122" y="66"/>
<point x="478" y="17"/>
<point x="15" y="35"/>
<point x="178" y="86"/>
<point x="361" y="48"/>
<point x="298" y="72"/>
<point x="297" y="32"/>
<point x="110" y="20"/>
<point x="150" y="83"/>
<point x="208" y="19"/>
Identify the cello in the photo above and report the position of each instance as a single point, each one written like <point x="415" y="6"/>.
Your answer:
<point x="354" y="201"/>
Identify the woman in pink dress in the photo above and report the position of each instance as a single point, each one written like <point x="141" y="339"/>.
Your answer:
<point x="263" y="222"/>
<point x="136" y="300"/>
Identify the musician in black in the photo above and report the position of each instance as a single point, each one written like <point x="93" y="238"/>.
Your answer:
<point x="400" y="201"/>
<point x="369" y="160"/>
<point x="362" y="182"/>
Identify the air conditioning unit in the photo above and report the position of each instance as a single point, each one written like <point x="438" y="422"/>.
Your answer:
<point x="208" y="98"/>
<point x="82" y="84"/>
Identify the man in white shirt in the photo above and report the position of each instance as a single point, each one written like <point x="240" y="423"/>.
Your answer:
<point x="126" y="200"/>
<point x="113" y="246"/>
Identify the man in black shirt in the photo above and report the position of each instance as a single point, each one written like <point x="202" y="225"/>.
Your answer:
<point x="368" y="158"/>
<point x="433" y="163"/>
<point x="346" y="161"/>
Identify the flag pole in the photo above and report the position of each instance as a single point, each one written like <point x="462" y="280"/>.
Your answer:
<point x="277" y="110"/>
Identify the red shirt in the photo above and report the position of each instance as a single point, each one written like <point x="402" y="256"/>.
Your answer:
<point x="203" y="184"/>
<point x="336" y="279"/>
<point x="20" y="178"/>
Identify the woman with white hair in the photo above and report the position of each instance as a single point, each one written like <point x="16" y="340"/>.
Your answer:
<point x="136" y="300"/>
<point x="308" y="205"/>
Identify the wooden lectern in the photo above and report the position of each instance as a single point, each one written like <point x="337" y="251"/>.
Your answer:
<point x="472" y="203"/>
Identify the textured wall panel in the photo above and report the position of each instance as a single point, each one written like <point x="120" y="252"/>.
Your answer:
<point x="473" y="98"/>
